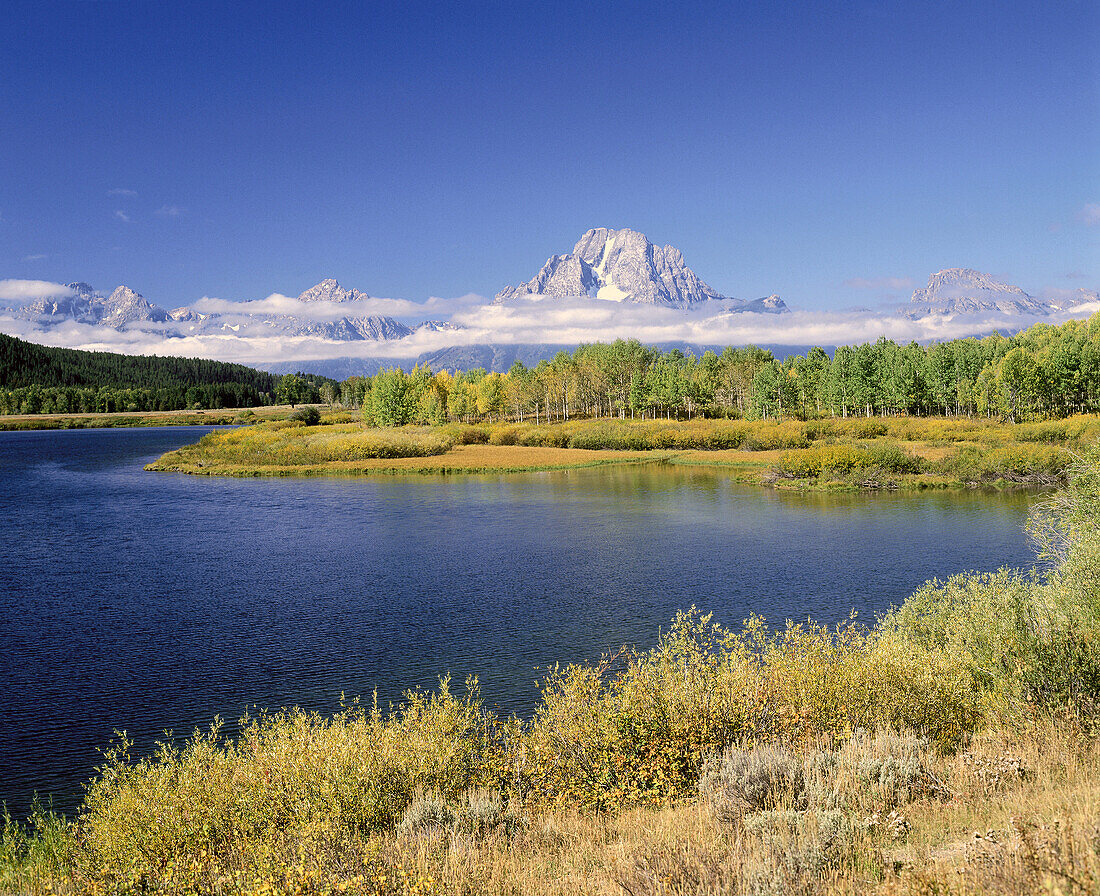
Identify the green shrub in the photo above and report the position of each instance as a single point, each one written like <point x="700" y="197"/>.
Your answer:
<point x="817" y="430"/>
<point x="545" y="437"/>
<point x="613" y="436"/>
<point x="291" y="776"/>
<point x="504" y="435"/>
<point x="812" y="463"/>
<point x="308" y="416"/>
<point x="777" y="436"/>
<point x="841" y="461"/>
<point x="892" y="458"/>
<point x="1016" y="463"/>
<point x="868" y="428"/>
<point x="33" y="852"/>
<point x="1053" y="431"/>
<point x="465" y="434"/>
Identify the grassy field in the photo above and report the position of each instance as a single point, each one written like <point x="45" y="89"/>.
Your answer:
<point x="24" y="422"/>
<point x="828" y="454"/>
<point x="458" y="459"/>
<point x="952" y="748"/>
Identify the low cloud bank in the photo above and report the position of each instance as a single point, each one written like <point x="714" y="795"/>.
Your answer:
<point x="277" y="303"/>
<point x="552" y="321"/>
<point x="19" y="292"/>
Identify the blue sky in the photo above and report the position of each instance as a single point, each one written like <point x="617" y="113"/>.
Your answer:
<point x="829" y="152"/>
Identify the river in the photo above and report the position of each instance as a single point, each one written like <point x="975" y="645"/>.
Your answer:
<point x="150" y="602"/>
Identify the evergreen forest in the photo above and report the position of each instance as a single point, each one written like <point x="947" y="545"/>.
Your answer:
<point x="37" y="379"/>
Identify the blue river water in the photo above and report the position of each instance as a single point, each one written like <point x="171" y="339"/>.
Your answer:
<point x="152" y="602"/>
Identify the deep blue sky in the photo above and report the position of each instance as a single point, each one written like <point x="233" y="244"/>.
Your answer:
<point x="438" y="149"/>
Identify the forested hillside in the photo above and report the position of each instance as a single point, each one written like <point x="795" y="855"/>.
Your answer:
<point x="1046" y="371"/>
<point x="37" y="379"/>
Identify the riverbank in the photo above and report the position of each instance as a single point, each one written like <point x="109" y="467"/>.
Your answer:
<point x="896" y="453"/>
<point x="222" y="417"/>
<point x="461" y="459"/>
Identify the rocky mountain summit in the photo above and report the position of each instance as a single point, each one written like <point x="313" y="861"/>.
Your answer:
<point x="126" y="309"/>
<point x="83" y="304"/>
<point x="966" y="291"/>
<point x="343" y="329"/>
<point x="331" y="291"/>
<point x="624" y="266"/>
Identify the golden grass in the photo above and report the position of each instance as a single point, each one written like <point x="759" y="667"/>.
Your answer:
<point x="908" y="453"/>
<point x="118" y="419"/>
<point x="459" y="459"/>
<point x="1034" y="833"/>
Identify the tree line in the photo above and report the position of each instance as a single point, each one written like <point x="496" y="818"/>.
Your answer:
<point x="37" y="379"/>
<point x="1043" y="372"/>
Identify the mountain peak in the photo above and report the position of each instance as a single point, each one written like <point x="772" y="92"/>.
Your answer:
<point x="617" y="265"/>
<point x="125" y="294"/>
<point x="124" y="306"/>
<point x="330" y="290"/>
<point x="967" y="291"/>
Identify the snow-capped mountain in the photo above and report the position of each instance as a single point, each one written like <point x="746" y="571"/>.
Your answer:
<point x="76" y="306"/>
<point x="126" y="309"/>
<point x="371" y="326"/>
<point x="966" y="291"/>
<point x="121" y="308"/>
<point x="331" y="291"/>
<point x="624" y="266"/>
<point x="614" y="284"/>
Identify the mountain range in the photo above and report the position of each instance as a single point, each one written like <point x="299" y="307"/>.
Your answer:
<point x="619" y="275"/>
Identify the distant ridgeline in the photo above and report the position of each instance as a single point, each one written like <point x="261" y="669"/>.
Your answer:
<point x="1045" y="371"/>
<point x="36" y="379"/>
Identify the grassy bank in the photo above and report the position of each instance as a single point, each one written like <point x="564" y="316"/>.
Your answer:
<point x="288" y="448"/>
<point x="225" y="417"/>
<point x="951" y="748"/>
<point x="826" y="454"/>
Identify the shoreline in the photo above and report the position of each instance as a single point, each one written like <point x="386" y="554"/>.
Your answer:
<point x="903" y="454"/>
<point x="138" y="419"/>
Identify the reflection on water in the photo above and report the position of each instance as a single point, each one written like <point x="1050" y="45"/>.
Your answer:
<point x="147" y="602"/>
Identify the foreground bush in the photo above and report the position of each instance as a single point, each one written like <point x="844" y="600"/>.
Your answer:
<point x="294" y="776"/>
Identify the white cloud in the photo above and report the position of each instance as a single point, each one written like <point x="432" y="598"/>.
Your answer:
<point x="277" y="303"/>
<point x="122" y="216"/>
<point x="29" y="290"/>
<point x="34" y="257"/>
<point x="892" y="283"/>
<point x="122" y="192"/>
<point x="170" y="211"/>
<point x="568" y="321"/>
